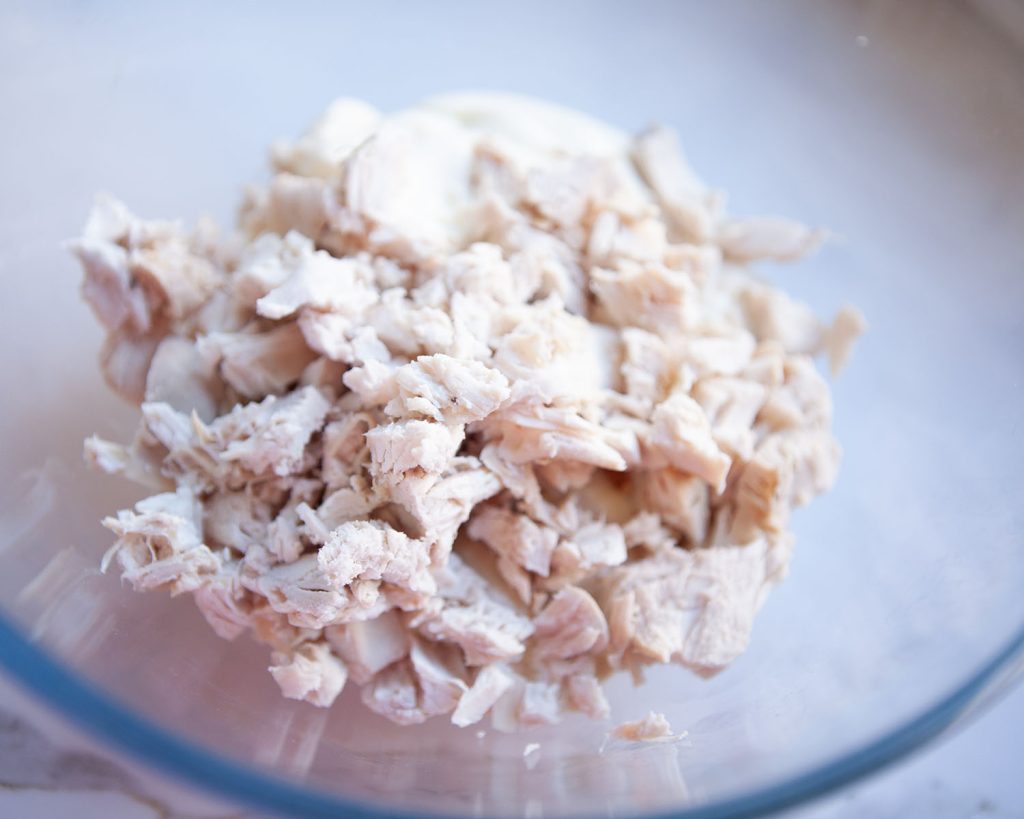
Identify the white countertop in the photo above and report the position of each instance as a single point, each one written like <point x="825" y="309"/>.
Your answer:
<point x="49" y="771"/>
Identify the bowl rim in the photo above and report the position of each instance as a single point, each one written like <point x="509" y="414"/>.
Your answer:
<point x="101" y="716"/>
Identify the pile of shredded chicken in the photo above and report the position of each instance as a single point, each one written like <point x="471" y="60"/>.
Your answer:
<point x="479" y="406"/>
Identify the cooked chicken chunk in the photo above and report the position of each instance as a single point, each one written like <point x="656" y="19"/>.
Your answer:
<point x="490" y="684"/>
<point x="474" y="618"/>
<point x="371" y="550"/>
<point x="652" y="728"/>
<point x="159" y="545"/>
<point x="369" y="646"/>
<point x="255" y="365"/>
<point x="848" y="325"/>
<point x="447" y="389"/>
<point x="681" y="435"/>
<point x="393" y="694"/>
<point x="695" y="608"/>
<point x="687" y="207"/>
<point x="680" y="498"/>
<point x="583" y="693"/>
<point x="310" y="673"/>
<point x="515" y="537"/>
<point x="439" y="671"/>
<point x="782" y="240"/>
<point x="571" y="624"/>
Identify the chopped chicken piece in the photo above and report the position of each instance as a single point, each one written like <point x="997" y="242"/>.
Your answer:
<point x="720" y="355"/>
<point x="517" y="478"/>
<point x="681" y="499"/>
<point x="179" y="376"/>
<point x="445" y="505"/>
<point x="372" y="384"/>
<point x="180" y="280"/>
<point x="408" y="182"/>
<point x="139" y="274"/>
<point x="404" y="446"/>
<point x="482" y="270"/>
<point x="505" y="712"/>
<point x="224" y="603"/>
<point x="108" y="286"/>
<point x="590" y="546"/>
<point x="771" y="315"/>
<point x="801" y="401"/>
<point x="584" y="694"/>
<point x="529" y="432"/>
<point x="478" y="406"/>
<point x="565" y="476"/>
<point x="447" y="389"/>
<point x="695" y="608"/>
<point x="787" y="470"/>
<point x="290" y="204"/>
<point x="416" y="688"/>
<point x="652" y="728"/>
<point x="515" y="537"/>
<point x="681" y="434"/>
<point x="264" y="264"/>
<point x="302" y="592"/>
<point x="159" y="545"/>
<point x="645" y="531"/>
<point x="686" y="204"/>
<point x="255" y="439"/>
<point x="313" y="527"/>
<point x="539" y="704"/>
<point x="322" y="150"/>
<point x="255" y="365"/>
<point x="848" y="325"/>
<point x="612" y="238"/>
<point x="345" y="447"/>
<point x="323" y="373"/>
<point x="369" y="646"/>
<point x="490" y="684"/>
<point x="139" y="463"/>
<point x="649" y="296"/>
<point x="571" y="624"/>
<point x="310" y="673"/>
<point x="410" y="329"/>
<point x="485" y="628"/>
<point x="767" y="365"/>
<point x="566" y="191"/>
<point x="532" y="251"/>
<point x="767" y="237"/>
<point x="646" y="365"/>
<point x="321" y="282"/>
<point x="436" y="667"/>
<point x="348" y="503"/>
<point x="552" y="353"/>
<point x="285" y="536"/>
<point x="340" y="338"/>
<point x="125" y="359"/>
<point x="732" y="405"/>
<point x="274" y="630"/>
<point x="371" y="550"/>
<point x="141" y="279"/>
<point x="393" y="694"/>
<point x="519" y="580"/>
<point x="236" y="520"/>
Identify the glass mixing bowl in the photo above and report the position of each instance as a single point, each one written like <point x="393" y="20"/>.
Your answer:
<point x="898" y="125"/>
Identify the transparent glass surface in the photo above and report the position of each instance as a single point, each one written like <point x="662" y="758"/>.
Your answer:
<point x="898" y="125"/>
